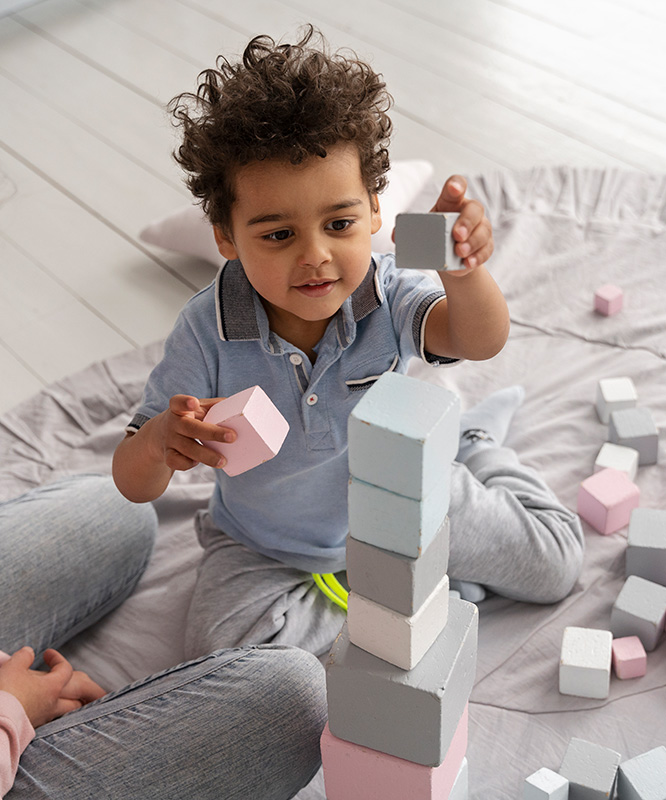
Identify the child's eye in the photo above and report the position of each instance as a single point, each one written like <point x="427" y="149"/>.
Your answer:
<point x="278" y="236"/>
<point x="340" y="224"/>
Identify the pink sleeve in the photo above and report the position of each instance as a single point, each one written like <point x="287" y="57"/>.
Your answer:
<point x="16" y="733"/>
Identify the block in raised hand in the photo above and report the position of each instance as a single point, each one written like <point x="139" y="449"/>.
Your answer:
<point x="260" y="429"/>
<point x="643" y="777"/>
<point x="614" y="394"/>
<point x="403" y="435"/>
<point x="395" y="522"/>
<point x="634" y="427"/>
<point x="585" y="662"/>
<point x="646" y="544"/>
<point x="396" y="638"/>
<point x="355" y="772"/>
<point x="394" y="580"/>
<point x="425" y="241"/>
<point x="409" y="714"/>
<point x="616" y="456"/>
<point x="544" y="784"/>
<point x="606" y="500"/>
<point x="608" y="299"/>
<point x="640" y="610"/>
<point x="591" y="770"/>
<point x="629" y="657"/>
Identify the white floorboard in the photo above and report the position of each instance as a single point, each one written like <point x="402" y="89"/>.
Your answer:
<point x="85" y="141"/>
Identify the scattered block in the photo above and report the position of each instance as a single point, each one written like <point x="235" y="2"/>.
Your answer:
<point x="606" y="500"/>
<point x="608" y="299"/>
<point x="411" y="715"/>
<point x="629" y="657"/>
<point x="395" y="522"/>
<point x="646" y="545"/>
<point x="643" y="777"/>
<point x="590" y="769"/>
<point x="544" y="784"/>
<point x="403" y="435"/>
<point x="424" y="241"/>
<point x="354" y="772"/>
<point x="396" y="638"/>
<point x="614" y="394"/>
<point x="394" y="580"/>
<point x="585" y="662"/>
<point x="460" y="789"/>
<point x="640" y="610"/>
<point x="616" y="456"/>
<point x="260" y="428"/>
<point x="634" y="427"/>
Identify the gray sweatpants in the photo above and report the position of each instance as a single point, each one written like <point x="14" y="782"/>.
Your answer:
<point x="508" y="532"/>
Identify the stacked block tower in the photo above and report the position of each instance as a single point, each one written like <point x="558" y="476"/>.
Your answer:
<point x="400" y="673"/>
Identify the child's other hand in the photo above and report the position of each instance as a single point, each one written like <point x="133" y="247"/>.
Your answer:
<point x="46" y="695"/>
<point x="472" y="230"/>
<point x="183" y="430"/>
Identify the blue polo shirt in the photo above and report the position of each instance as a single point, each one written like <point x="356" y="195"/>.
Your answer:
<point x="293" y="508"/>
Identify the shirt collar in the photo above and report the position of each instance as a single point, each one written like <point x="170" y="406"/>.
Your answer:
<point x="237" y="304"/>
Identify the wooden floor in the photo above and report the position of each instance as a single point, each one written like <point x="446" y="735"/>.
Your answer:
<point x="85" y="143"/>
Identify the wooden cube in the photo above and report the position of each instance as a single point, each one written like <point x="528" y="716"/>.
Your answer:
<point x="646" y="544"/>
<point x="424" y="241"/>
<point x="590" y="769"/>
<point x="640" y="610"/>
<point x="629" y="657"/>
<point x="614" y="394"/>
<point x="606" y="500"/>
<point x="585" y="662"/>
<point x="608" y="299"/>
<point x="544" y="784"/>
<point x="643" y="777"/>
<point x="634" y="427"/>
<point x="617" y="457"/>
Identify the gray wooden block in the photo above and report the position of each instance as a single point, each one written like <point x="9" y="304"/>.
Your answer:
<point x="639" y="610"/>
<point x="590" y="769"/>
<point x="634" y="427"/>
<point x="409" y="714"/>
<point x="643" y="777"/>
<point x="424" y="241"/>
<point x="646" y="544"/>
<point x="397" y="581"/>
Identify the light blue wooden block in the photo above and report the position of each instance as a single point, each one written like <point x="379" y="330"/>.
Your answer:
<point x="404" y="434"/>
<point x="411" y="714"/>
<point x="394" y="522"/>
<point x="643" y="777"/>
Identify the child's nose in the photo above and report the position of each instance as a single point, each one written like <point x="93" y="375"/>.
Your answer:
<point x="314" y="251"/>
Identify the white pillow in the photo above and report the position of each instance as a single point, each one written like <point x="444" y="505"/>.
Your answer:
<point x="187" y="229"/>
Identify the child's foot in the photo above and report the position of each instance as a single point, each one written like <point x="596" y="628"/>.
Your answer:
<point x="487" y="424"/>
<point x="472" y="592"/>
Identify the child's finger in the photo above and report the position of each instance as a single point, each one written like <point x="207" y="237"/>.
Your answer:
<point x="469" y="220"/>
<point x="480" y="256"/>
<point x="23" y="658"/>
<point x="452" y="196"/>
<point x="196" y="429"/>
<point x="480" y="238"/>
<point x="60" y="670"/>
<point x="182" y="404"/>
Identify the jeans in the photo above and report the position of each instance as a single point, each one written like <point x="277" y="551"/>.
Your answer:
<point x="236" y="723"/>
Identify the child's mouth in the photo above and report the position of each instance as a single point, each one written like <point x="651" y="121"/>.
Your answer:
<point x="316" y="288"/>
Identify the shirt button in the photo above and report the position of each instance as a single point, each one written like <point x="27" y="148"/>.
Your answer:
<point x="296" y="359"/>
<point x="312" y="399"/>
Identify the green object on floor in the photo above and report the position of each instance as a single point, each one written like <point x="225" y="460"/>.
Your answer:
<point x="332" y="588"/>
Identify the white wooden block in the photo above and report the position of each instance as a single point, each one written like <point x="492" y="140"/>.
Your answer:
<point x="544" y="784"/>
<point x="640" y="610"/>
<point x="591" y="770"/>
<point x="403" y="435"/>
<point x="614" y="394"/>
<point x="585" y="662"/>
<point x="616" y="456"/>
<point x="424" y="241"/>
<point x="643" y="777"/>
<point x="394" y="637"/>
<point x="460" y="788"/>
<point x="646" y="544"/>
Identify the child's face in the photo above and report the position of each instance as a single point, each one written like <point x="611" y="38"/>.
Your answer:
<point x="302" y="233"/>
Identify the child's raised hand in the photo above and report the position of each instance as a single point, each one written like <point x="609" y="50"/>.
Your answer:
<point x="182" y="431"/>
<point x="472" y="230"/>
<point x="41" y="693"/>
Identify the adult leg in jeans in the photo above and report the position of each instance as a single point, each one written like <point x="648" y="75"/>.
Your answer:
<point x="236" y="724"/>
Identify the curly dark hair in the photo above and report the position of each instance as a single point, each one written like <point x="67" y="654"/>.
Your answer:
<point x="281" y="101"/>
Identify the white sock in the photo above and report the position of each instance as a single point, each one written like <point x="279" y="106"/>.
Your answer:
<point x="487" y="424"/>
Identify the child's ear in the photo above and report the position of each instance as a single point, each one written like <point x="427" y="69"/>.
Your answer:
<point x="224" y="244"/>
<point x="375" y="214"/>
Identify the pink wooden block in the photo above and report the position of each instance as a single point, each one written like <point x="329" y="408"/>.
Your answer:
<point x="259" y="426"/>
<point x="354" y="772"/>
<point x="606" y="500"/>
<point x="608" y="299"/>
<point x="629" y="657"/>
